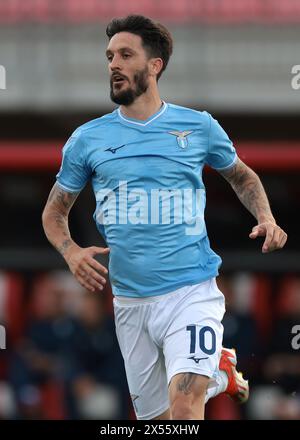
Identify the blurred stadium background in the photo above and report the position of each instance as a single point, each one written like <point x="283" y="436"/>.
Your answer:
<point x="233" y="59"/>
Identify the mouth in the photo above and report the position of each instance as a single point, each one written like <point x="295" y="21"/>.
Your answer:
<point x="118" y="80"/>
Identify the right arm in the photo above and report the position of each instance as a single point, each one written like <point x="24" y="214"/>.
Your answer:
<point x="55" y="216"/>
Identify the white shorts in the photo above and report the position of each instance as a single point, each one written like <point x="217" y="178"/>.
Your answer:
<point x="160" y="336"/>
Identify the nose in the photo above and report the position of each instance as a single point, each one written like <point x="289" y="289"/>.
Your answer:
<point x="115" y="64"/>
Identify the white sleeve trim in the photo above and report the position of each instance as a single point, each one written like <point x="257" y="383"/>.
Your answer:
<point x="228" y="166"/>
<point x="67" y="188"/>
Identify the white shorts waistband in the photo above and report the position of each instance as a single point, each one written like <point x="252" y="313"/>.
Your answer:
<point x="130" y="301"/>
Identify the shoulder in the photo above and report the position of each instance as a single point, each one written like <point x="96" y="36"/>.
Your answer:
<point x="198" y="116"/>
<point x="95" y="124"/>
<point x="94" y="128"/>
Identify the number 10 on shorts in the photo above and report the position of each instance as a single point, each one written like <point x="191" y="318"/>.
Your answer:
<point x="207" y="339"/>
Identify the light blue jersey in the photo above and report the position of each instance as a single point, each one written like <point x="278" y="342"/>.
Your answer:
<point x="150" y="197"/>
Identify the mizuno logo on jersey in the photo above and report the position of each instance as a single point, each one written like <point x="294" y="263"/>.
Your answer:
<point x="114" y="149"/>
<point x="181" y="137"/>
<point x="197" y="359"/>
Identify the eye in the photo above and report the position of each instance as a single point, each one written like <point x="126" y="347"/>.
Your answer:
<point x="126" y="55"/>
<point x="109" y="58"/>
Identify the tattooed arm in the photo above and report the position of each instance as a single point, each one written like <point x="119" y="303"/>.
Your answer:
<point x="80" y="260"/>
<point x="55" y="218"/>
<point x="249" y="189"/>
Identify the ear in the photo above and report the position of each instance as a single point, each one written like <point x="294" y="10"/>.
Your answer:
<point x="156" y="65"/>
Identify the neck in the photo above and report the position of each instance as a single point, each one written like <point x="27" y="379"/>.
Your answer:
<point x="144" y="106"/>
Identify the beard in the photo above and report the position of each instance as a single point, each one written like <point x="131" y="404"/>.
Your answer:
<point x="129" y="95"/>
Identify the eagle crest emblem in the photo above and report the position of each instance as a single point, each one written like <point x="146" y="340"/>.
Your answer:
<point x="181" y="137"/>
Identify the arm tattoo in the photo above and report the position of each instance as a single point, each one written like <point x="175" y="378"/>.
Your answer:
<point x="185" y="384"/>
<point x="59" y="220"/>
<point x="249" y="189"/>
<point x="62" y="249"/>
<point x="55" y="218"/>
<point x="63" y="200"/>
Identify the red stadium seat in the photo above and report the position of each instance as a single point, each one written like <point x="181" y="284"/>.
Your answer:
<point x="222" y="408"/>
<point x="288" y="295"/>
<point x="52" y="398"/>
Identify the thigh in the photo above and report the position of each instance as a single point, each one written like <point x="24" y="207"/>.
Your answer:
<point x="193" y="342"/>
<point x="144" y="363"/>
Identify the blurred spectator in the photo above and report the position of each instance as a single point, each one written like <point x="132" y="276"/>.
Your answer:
<point x="68" y="364"/>
<point x="270" y="402"/>
<point x="281" y="398"/>
<point x="240" y="325"/>
<point x="283" y="362"/>
<point x="38" y="359"/>
<point x="240" y="333"/>
<point x="96" y="372"/>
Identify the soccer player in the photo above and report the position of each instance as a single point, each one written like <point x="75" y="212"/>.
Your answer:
<point x="145" y="162"/>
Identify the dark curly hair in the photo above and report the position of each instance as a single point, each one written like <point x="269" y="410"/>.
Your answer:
<point x="156" y="39"/>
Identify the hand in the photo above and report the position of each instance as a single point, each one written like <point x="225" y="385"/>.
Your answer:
<point x="85" y="268"/>
<point x="275" y="236"/>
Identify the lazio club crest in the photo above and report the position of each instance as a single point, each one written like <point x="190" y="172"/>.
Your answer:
<point x="181" y="137"/>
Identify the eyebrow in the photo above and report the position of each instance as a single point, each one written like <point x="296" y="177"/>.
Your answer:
<point x="122" y="49"/>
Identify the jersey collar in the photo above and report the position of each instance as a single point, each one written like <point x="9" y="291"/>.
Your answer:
<point x="147" y="121"/>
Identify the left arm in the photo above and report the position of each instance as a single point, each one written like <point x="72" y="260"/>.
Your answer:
<point x="249" y="189"/>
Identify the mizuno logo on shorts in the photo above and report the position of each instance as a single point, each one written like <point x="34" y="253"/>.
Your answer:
<point x="197" y="359"/>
